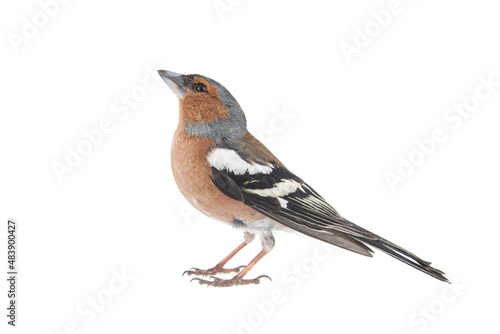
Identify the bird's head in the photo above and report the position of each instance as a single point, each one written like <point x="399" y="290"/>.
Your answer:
<point x="207" y="109"/>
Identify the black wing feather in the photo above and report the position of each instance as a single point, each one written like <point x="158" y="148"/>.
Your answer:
<point x="307" y="212"/>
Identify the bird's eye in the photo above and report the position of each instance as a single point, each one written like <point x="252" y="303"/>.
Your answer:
<point x="200" y="88"/>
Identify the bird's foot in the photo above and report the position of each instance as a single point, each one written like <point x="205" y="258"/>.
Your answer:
<point x="212" y="271"/>
<point x="223" y="283"/>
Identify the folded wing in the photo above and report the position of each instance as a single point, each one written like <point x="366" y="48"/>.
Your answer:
<point x="279" y="194"/>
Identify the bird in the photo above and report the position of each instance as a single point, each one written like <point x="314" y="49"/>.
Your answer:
<point x="230" y="176"/>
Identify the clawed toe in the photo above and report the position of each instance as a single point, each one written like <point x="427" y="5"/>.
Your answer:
<point x="219" y="282"/>
<point x="191" y="271"/>
<point x="212" y="271"/>
<point x="202" y="281"/>
<point x="264" y="276"/>
<point x="219" y="268"/>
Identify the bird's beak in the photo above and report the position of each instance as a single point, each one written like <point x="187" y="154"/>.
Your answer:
<point x="174" y="81"/>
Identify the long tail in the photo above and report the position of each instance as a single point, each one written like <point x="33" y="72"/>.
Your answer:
<point x="337" y="231"/>
<point x="404" y="256"/>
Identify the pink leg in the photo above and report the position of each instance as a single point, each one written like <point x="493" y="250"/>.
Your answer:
<point x="238" y="279"/>
<point x="219" y="267"/>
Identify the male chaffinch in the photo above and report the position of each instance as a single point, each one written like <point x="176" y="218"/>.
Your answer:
<point x="229" y="175"/>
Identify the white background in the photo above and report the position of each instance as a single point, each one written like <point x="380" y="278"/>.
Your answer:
<point x="120" y="209"/>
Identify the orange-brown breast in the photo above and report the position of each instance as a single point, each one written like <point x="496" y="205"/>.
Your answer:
<point x="192" y="173"/>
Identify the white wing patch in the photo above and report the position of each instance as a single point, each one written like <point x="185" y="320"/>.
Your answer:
<point x="283" y="202"/>
<point x="223" y="158"/>
<point x="280" y="189"/>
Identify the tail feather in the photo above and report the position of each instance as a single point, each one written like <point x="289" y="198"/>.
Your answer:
<point x="405" y="256"/>
<point x="331" y="236"/>
<point x="352" y="237"/>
